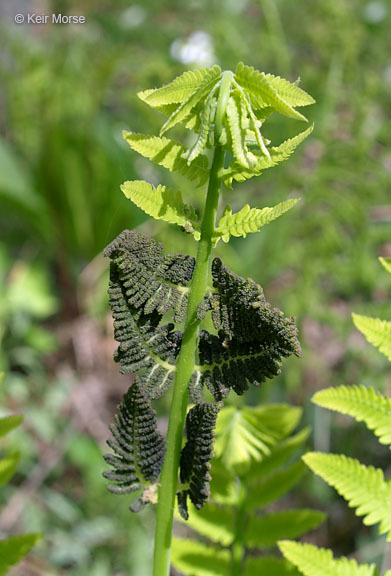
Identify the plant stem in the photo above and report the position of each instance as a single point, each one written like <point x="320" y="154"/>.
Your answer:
<point x="238" y="548"/>
<point x="186" y="358"/>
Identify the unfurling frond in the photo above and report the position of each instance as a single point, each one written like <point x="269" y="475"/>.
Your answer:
<point x="313" y="561"/>
<point x="235" y="121"/>
<point x="364" y="404"/>
<point x="252" y="337"/>
<point x="386" y="263"/>
<point x="278" y="154"/>
<point x="162" y="204"/>
<point x="196" y="455"/>
<point x="249" y="220"/>
<point x="138" y="448"/>
<point x="364" y="487"/>
<point x="180" y="89"/>
<point x="265" y="90"/>
<point x="150" y="280"/>
<point x="376" y="331"/>
<point x="170" y="154"/>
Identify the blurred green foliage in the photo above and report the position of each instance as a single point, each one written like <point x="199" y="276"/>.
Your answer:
<point x="66" y="94"/>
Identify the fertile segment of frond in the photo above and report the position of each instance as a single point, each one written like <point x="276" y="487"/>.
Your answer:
<point x="138" y="447"/>
<point x="252" y="337"/>
<point x="248" y="220"/>
<point x="376" y="331"/>
<point x="170" y="154"/>
<point x="162" y="204"/>
<point x="364" y="404"/>
<point x="196" y="455"/>
<point x="150" y="280"/>
<point x="142" y="288"/>
<point x="277" y="154"/>
<point x="363" y="487"/>
<point x="313" y="561"/>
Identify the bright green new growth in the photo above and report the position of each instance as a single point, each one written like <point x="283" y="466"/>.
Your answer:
<point x="227" y="112"/>
<point x="251" y="470"/>
<point x="376" y="331"/>
<point x="363" y="487"/>
<point x="14" y="548"/>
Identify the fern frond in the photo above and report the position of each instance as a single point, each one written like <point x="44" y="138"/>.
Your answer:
<point x="138" y="447"/>
<point x="8" y="466"/>
<point x="262" y="91"/>
<point x="273" y="487"/>
<point x="13" y="549"/>
<point x="248" y="220"/>
<point x="364" y="404"/>
<point x="196" y="455"/>
<point x="179" y="89"/>
<point x="313" y="561"/>
<point x="8" y="423"/>
<point x="364" y="487"/>
<point x="277" y="154"/>
<point x="376" y="331"/>
<point x="203" y="90"/>
<point x="279" y="455"/>
<point x="386" y="263"/>
<point x="149" y="280"/>
<point x="202" y="140"/>
<point x="269" y="566"/>
<point x="170" y="154"/>
<point x="265" y="531"/>
<point x="249" y="434"/>
<point x="237" y="133"/>
<point x="213" y="521"/>
<point x="196" y="559"/>
<point x="162" y="204"/>
<point x="289" y="91"/>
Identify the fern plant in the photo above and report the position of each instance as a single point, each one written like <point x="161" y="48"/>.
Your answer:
<point x="251" y="470"/>
<point x="14" y="548"/>
<point x="226" y="111"/>
<point x="363" y="487"/>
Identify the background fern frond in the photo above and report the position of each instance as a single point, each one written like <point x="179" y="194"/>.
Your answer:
<point x="162" y="204"/>
<point x="138" y="447"/>
<point x="386" y="263"/>
<point x="363" y="487"/>
<point x="248" y="434"/>
<point x="196" y="559"/>
<point x="8" y="423"/>
<point x="249" y="220"/>
<point x="214" y="521"/>
<point x="313" y="561"/>
<point x="13" y="549"/>
<point x="265" y="531"/>
<point x="364" y="404"/>
<point x="269" y="566"/>
<point x="273" y="486"/>
<point x="376" y="331"/>
<point x="170" y="154"/>
<point x="196" y="455"/>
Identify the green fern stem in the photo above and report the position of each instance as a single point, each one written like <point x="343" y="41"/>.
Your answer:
<point x="238" y="547"/>
<point x="186" y="358"/>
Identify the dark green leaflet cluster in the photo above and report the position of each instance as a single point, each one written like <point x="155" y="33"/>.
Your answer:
<point x="196" y="455"/>
<point x="252" y="337"/>
<point x="150" y="280"/>
<point x="138" y="447"/>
